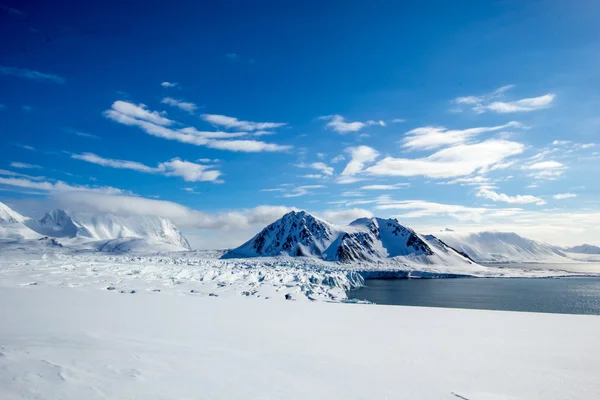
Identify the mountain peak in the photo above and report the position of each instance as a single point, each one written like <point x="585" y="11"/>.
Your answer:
<point x="296" y="233"/>
<point x="7" y="214"/>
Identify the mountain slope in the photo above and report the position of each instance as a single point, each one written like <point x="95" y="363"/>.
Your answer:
<point x="96" y="227"/>
<point x="502" y="247"/>
<point x="12" y="225"/>
<point x="294" y="234"/>
<point x="583" y="249"/>
<point x="364" y="240"/>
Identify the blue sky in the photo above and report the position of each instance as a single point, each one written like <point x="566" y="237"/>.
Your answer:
<point x="471" y="115"/>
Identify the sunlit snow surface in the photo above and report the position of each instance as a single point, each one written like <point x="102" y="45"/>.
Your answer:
<point x="88" y="344"/>
<point x="81" y="324"/>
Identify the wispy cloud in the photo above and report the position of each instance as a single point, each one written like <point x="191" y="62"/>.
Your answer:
<point x="359" y="156"/>
<point x="24" y="146"/>
<point x="546" y="170"/>
<point x="11" y="10"/>
<point x="189" y="171"/>
<point x="169" y="84"/>
<point x="562" y="196"/>
<point x="492" y="102"/>
<point x="339" y="124"/>
<point x="24" y="165"/>
<point x="153" y="123"/>
<point x="319" y="166"/>
<point x="58" y="186"/>
<point x="183" y="105"/>
<point x="432" y="137"/>
<point x="4" y="172"/>
<point x="386" y="187"/>
<point x="234" y="123"/>
<point x="138" y="111"/>
<point x="518" y="199"/>
<point x="30" y="74"/>
<point x="302" y="190"/>
<point x="523" y="105"/>
<point x="460" y="160"/>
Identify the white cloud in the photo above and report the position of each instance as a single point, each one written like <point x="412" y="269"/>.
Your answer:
<point x="183" y="105"/>
<point x="423" y="208"/>
<point x="339" y="124"/>
<point x="249" y="146"/>
<point x="346" y="216"/>
<point x="17" y="174"/>
<point x="313" y="176"/>
<point x="385" y="187"/>
<point x="140" y="112"/>
<point x="545" y="165"/>
<point x="24" y="165"/>
<point x="303" y="190"/>
<point x="189" y="171"/>
<point x="562" y="196"/>
<point x="469" y="180"/>
<point x="263" y="133"/>
<point x="58" y="186"/>
<point x="273" y="190"/>
<point x="182" y="216"/>
<point x="490" y="102"/>
<point x="211" y="134"/>
<point x="319" y="166"/>
<point x="523" y="105"/>
<point x="352" y="194"/>
<point x="345" y="179"/>
<point x="398" y="120"/>
<point x="587" y="146"/>
<point x="561" y="142"/>
<point x="432" y="137"/>
<point x="231" y="122"/>
<point x="86" y="135"/>
<point x="169" y="84"/>
<point x="451" y="162"/>
<point x="30" y="74"/>
<point x="518" y="199"/>
<point x="338" y="159"/>
<point x="546" y="170"/>
<point x="359" y="156"/>
<point x="132" y="115"/>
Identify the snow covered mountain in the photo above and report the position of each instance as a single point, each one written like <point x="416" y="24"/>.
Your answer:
<point x="583" y="249"/>
<point x="13" y="225"/>
<point x="364" y="240"/>
<point x="502" y="247"/>
<point x="106" y="227"/>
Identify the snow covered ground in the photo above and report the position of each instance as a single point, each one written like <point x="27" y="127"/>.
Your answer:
<point x="44" y="263"/>
<point x="59" y="343"/>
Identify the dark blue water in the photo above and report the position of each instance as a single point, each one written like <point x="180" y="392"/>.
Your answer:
<point x="557" y="295"/>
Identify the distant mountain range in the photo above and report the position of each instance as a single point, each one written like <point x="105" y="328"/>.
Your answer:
<point x="106" y="232"/>
<point x="364" y="240"/>
<point x="367" y="240"/>
<point x="583" y="249"/>
<point x="503" y="247"/>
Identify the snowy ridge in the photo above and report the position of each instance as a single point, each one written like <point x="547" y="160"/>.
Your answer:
<point x="503" y="247"/>
<point x="364" y="240"/>
<point x="108" y="227"/>
<point x="12" y="225"/>
<point x="583" y="249"/>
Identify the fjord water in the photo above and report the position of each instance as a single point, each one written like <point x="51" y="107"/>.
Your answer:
<point x="569" y="295"/>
